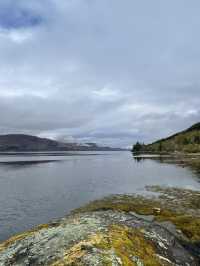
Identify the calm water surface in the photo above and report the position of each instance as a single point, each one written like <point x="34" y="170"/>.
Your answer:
<point x="37" y="188"/>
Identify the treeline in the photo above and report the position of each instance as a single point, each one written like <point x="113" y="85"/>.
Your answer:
<point x="138" y="147"/>
<point x="188" y="142"/>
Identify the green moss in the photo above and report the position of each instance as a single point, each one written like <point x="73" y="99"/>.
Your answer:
<point x="130" y="246"/>
<point x="119" y="245"/>
<point x="179" y="206"/>
<point x="122" y="203"/>
<point x="187" y="224"/>
<point x="116" y="244"/>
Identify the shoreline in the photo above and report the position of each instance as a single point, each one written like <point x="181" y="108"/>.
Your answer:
<point x="96" y="232"/>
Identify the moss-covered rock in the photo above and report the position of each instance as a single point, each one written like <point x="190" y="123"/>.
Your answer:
<point x="119" y="230"/>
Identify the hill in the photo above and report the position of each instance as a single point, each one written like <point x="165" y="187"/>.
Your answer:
<point x="187" y="141"/>
<point x="22" y="142"/>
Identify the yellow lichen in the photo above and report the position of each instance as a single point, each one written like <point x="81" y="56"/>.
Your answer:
<point x="13" y="239"/>
<point x="126" y="244"/>
<point x="129" y="245"/>
<point x="22" y="236"/>
<point x="73" y="255"/>
<point x="179" y="206"/>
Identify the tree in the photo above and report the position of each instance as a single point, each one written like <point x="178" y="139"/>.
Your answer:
<point x="160" y="147"/>
<point x="137" y="147"/>
<point x="197" y="139"/>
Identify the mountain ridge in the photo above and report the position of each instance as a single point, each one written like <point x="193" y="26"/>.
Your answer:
<point x="23" y="142"/>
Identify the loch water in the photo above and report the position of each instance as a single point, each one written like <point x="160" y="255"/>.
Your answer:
<point x="38" y="187"/>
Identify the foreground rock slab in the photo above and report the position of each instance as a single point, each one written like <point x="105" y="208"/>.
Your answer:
<point x="119" y="230"/>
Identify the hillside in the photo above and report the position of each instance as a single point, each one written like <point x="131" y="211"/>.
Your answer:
<point x="187" y="141"/>
<point x="21" y="142"/>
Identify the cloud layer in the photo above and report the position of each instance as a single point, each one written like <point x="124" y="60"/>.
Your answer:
<point x="107" y="71"/>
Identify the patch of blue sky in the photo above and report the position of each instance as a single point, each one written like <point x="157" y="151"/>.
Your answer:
<point x="15" y="18"/>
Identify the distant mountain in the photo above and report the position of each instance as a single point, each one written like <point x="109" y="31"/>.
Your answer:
<point x="21" y="142"/>
<point x="187" y="141"/>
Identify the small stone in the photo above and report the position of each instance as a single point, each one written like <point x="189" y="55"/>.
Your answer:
<point x="157" y="210"/>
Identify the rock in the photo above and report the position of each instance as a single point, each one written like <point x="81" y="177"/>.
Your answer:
<point x="117" y="230"/>
<point x="156" y="210"/>
<point x="96" y="238"/>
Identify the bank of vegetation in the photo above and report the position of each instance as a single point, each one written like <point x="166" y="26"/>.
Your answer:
<point x="187" y="141"/>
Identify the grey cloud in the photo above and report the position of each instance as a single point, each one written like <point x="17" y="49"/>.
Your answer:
<point x="105" y="71"/>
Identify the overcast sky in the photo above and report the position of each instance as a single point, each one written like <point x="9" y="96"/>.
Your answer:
<point x="106" y="71"/>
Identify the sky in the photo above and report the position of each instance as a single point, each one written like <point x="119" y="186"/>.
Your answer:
<point x="109" y="71"/>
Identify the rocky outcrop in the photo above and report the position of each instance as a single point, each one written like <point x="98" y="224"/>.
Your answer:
<point x="120" y="230"/>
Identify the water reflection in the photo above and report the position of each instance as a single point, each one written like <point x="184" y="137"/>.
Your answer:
<point x="191" y="162"/>
<point x="138" y="159"/>
<point x="36" y="189"/>
<point x="25" y="164"/>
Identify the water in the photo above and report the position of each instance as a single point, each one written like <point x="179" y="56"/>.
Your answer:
<point x="35" y="188"/>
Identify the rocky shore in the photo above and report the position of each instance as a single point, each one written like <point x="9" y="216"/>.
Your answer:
<point x="118" y="230"/>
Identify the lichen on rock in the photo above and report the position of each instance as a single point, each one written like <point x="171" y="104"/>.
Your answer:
<point x="113" y="231"/>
